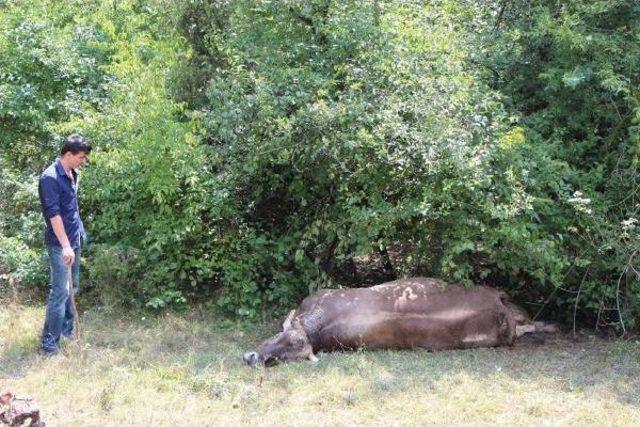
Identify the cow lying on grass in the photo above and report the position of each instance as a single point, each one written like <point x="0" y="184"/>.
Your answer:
<point x="407" y="313"/>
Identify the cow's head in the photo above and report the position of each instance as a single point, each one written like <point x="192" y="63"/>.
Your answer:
<point x="289" y="345"/>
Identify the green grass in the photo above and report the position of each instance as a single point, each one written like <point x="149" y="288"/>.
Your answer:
<point x="187" y="370"/>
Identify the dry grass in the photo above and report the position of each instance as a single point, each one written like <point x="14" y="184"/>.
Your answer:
<point x="187" y="370"/>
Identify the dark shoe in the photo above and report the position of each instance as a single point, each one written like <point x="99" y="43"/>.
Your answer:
<point x="48" y="353"/>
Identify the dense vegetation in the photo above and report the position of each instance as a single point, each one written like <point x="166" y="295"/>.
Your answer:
<point x="250" y="152"/>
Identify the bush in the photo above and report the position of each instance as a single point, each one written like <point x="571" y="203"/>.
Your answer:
<point x="341" y="129"/>
<point x="21" y="266"/>
<point x="251" y="152"/>
<point x="570" y="70"/>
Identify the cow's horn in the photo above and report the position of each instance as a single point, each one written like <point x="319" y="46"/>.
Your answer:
<point x="313" y="358"/>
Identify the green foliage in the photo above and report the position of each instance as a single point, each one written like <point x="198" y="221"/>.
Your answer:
<point x="571" y="69"/>
<point x="248" y="152"/>
<point x="100" y="69"/>
<point x="148" y="186"/>
<point x="20" y="216"/>
<point x="20" y="264"/>
<point x="111" y="274"/>
<point x="21" y="255"/>
<point x="50" y="71"/>
<point x="342" y="129"/>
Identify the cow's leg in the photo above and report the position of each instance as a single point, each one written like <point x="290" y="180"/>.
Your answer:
<point x="524" y="329"/>
<point x="548" y="327"/>
<point x="489" y="328"/>
<point x="538" y="326"/>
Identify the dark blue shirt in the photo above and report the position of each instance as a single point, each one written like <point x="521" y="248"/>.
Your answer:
<point x="59" y="196"/>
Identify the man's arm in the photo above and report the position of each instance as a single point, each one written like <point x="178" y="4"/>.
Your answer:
<point x="58" y="229"/>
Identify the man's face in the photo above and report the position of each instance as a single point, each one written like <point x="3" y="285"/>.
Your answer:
<point x="77" y="160"/>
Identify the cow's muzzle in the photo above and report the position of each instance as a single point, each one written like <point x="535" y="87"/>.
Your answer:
<point x="250" y="358"/>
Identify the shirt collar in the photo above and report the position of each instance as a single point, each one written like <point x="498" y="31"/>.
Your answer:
<point x="60" y="169"/>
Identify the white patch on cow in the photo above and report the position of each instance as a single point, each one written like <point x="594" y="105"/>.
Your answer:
<point x="383" y="287"/>
<point x="403" y="300"/>
<point x="476" y="338"/>
<point x="451" y="315"/>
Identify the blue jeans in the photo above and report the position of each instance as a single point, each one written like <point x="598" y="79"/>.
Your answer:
<point x="59" y="317"/>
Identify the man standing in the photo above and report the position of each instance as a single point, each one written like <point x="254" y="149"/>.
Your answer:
<point x="58" y="191"/>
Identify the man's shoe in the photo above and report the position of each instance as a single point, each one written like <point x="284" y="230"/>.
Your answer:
<point x="48" y="353"/>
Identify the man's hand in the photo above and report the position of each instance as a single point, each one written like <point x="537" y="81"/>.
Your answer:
<point x="68" y="256"/>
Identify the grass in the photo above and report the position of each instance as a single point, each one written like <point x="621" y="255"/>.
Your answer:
<point x="187" y="370"/>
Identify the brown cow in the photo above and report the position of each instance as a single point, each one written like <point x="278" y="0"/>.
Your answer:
<point x="406" y="313"/>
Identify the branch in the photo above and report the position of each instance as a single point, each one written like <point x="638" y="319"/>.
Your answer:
<point x="503" y="6"/>
<point x="301" y="17"/>
<point x="624" y="330"/>
<point x="624" y="271"/>
<point x="575" y="307"/>
<point x="323" y="12"/>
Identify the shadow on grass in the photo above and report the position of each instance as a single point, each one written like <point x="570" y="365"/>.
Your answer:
<point x="586" y="366"/>
<point x="18" y="339"/>
<point x="19" y="357"/>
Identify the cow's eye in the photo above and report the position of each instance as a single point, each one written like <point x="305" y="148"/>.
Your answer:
<point x="298" y="341"/>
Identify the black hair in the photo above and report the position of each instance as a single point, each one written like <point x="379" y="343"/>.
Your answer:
<point x="74" y="144"/>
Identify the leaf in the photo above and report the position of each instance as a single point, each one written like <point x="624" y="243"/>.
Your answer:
<point x="577" y="76"/>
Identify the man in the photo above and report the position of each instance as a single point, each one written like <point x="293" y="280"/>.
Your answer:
<point x="58" y="191"/>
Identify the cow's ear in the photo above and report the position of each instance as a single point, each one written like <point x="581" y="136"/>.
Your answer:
<point x="288" y="322"/>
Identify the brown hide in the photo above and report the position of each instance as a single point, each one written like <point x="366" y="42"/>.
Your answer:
<point x="406" y="313"/>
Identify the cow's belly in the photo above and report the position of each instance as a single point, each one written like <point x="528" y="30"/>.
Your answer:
<point x="443" y="330"/>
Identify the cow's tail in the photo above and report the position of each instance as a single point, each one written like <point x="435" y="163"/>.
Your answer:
<point x="548" y="327"/>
